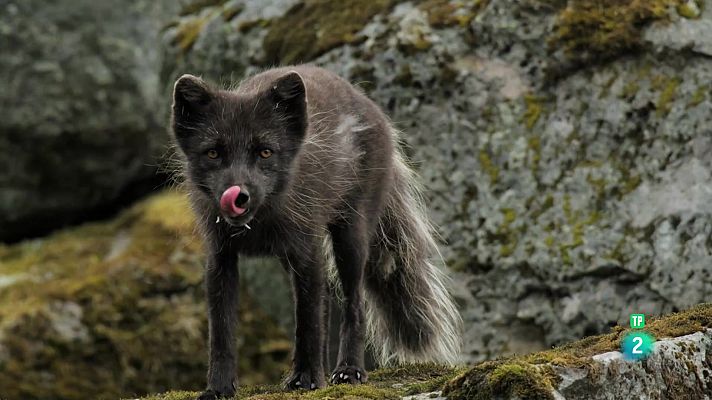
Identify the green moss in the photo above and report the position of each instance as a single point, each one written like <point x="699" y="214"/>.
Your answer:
<point x="534" y="146"/>
<point x="383" y="384"/>
<point x="599" y="185"/>
<point x="667" y="95"/>
<point x="690" y="9"/>
<point x="188" y="31"/>
<point x="629" y="180"/>
<point x="348" y="392"/>
<point x="418" y="45"/>
<point x="576" y="221"/>
<point x="195" y="6"/>
<point x="549" y="241"/>
<point x="532" y="376"/>
<point x="313" y="27"/>
<point x="698" y="96"/>
<point x="507" y="249"/>
<point x="589" y="30"/>
<point x="566" y="207"/>
<point x="444" y="13"/>
<point x="630" y="90"/>
<point x="405" y="76"/>
<point x="405" y="372"/>
<point x="630" y="184"/>
<point x="501" y="379"/>
<point x="533" y="110"/>
<point x="506" y="234"/>
<point x="489" y="167"/>
<point x="245" y="26"/>
<point x="509" y="216"/>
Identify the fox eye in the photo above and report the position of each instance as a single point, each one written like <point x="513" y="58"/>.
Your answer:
<point x="266" y="153"/>
<point x="212" y="154"/>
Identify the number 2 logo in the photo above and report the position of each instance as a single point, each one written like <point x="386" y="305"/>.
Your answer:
<point x="637" y="346"/>
<point x="638" y="342"/>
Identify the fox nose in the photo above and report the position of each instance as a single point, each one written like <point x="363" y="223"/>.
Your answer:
<point x="242" y="198"/>
<point x="234" y="201"/>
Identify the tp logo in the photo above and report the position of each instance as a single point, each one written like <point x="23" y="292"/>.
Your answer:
<point x="637" y="321"/>
<point x="637" y="345"/>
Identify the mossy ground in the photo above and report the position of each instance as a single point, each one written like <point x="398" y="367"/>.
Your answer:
<point x="384" y="384"/>
<point x="531" y="376"/>
<point x="528" y="377"/>
<point x="116" y="308"/>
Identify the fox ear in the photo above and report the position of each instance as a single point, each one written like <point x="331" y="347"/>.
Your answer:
<point x="289" y="96"/>
<point x="190" y="96"/>
<point x="190" y="90"/>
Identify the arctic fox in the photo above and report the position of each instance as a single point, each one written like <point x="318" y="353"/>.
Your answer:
<point x="299" y="164"/>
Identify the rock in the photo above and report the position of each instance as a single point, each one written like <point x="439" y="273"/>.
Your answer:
<point x="565" y="150"/>
<point x="679" y="367"/>
<point x="116" y="309"/>
<point x="83" y="111"/>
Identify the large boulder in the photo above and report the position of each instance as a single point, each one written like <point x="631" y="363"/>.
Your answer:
<point x="565" y="147"/>
<point x="83" y="114"/>
<point x="115" y="309"/>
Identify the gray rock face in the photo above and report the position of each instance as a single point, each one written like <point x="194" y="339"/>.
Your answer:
<point x="677" y="368"/>
<point x="83" y="115"/>
<point x="567" y="195"/>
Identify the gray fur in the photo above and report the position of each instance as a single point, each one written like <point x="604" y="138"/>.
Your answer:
<point x="336" y="192"/>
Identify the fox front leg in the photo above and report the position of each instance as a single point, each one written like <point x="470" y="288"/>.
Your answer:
<point x="221" y="284"/>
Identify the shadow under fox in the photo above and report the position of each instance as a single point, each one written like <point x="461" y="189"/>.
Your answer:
<point x="299" y="164"/>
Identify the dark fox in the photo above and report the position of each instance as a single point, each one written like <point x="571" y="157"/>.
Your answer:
<point x="299" y="164"/>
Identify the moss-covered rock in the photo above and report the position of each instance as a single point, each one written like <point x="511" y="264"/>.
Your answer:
<point x="678" y="368"/>
<point x="590" y="30"/>
<point x="312" y="27"/>
<point x="116" y="309"/>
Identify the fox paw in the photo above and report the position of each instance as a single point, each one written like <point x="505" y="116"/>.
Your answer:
<point x="349" y="374"/>
<point x="211" y="394"/>
<point x="304" y="380"/>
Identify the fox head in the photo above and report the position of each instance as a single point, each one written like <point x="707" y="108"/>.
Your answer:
<point x="239" y="147"/>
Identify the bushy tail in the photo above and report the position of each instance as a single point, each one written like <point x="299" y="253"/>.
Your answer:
<point x="411" y="316"/>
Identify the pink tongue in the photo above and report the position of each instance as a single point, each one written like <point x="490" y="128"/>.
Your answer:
<point x="227" y="202"/>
